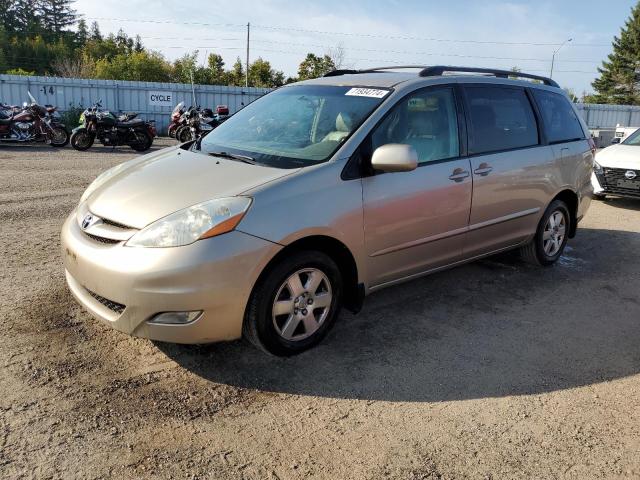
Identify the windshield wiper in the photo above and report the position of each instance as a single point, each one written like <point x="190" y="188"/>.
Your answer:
<point x="235" y="156"/>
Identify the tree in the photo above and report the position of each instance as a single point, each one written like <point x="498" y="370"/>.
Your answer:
<point x="75" y="67"/>
<point x="619" y="80"/>
<point x="313" y="66"/>
<point x="95" y="32"/>
<point x="216" y="66"/>
<point x="82" y="33"/>
<point x="137" y="66"/>
<point x="236" y="75"/>
<point x="56" y="15"/>
<point x="20" y="71"/>
<point x="262" y="75"/>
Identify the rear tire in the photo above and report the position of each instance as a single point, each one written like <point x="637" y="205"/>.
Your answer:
<point x="82" y="140"/>
<point x="295" y="304"/>
<point x="142" y="146"/>
<point x="551" y="236"/>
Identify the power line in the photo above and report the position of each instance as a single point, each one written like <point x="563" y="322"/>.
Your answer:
<point x="374" y="50"/>
<point x="350" y="34"/>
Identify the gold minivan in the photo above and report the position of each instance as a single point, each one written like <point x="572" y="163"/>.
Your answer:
<point x="322" y="192"/>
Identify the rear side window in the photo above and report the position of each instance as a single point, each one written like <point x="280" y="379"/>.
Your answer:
<point x="560" y="121"/>
<point x="500" y="119"/>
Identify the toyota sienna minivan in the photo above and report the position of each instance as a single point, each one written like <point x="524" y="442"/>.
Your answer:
<point x="322" y="192"/>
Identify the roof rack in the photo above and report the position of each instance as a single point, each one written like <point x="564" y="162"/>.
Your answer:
<point x="439" y="70"/>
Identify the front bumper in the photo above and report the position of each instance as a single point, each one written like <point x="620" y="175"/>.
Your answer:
<point x="127" y="286"/>
<point x="607" y="183"/>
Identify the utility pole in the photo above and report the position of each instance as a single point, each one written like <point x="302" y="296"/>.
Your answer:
<point x="553" y="58"/>
<point x="246" y="73"/>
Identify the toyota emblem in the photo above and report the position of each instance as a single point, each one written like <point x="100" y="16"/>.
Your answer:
<point x="630" y="174"/>
<point x="88" y="221"/>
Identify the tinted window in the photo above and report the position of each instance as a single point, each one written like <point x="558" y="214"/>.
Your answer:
<point x="427" y="121"/>
<point x="500" y="119"/>
<point x="560" y="121"/>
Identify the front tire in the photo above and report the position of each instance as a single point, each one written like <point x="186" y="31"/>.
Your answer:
<point x="82" y="140"/>
<point x="295" y="304"/>
<point x="59" y="137"/>
<point x="551" y="236"/>
<point x="183" y="134"/>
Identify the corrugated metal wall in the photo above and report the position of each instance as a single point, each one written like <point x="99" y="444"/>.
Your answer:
<point x="134" y="96"/>
<point x="609" y="116"/>
<point x="122" y="95"/>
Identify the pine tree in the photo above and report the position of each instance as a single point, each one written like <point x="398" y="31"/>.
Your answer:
<point x="619" y="81"/>
<point x="56" y="15"/>
<point x="95" y="32"/>
<point x="82" y="35"/>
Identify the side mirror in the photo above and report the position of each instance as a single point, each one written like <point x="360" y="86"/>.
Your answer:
<point x="615" y="140"/>
<point x="395" y="157"/>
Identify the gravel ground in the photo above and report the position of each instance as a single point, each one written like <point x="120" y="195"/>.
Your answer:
<point x="491" y="370"/>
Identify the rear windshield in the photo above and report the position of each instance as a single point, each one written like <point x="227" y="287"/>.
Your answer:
<point x="295" y="126"/>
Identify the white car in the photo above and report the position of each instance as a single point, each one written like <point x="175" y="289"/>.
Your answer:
<point x="616" y="170"/>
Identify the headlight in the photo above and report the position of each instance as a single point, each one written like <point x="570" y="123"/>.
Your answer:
<point x="100" y="179"/>
<point x="596" y="167"/>
<point x="200" y="221"/>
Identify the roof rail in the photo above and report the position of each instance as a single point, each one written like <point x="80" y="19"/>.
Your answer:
<point x="439" y="70"/>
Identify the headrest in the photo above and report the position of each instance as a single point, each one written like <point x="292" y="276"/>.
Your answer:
<point x="344" y="123"/>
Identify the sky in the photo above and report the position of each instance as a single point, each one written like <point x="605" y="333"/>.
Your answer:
<point x="491" y="33"/>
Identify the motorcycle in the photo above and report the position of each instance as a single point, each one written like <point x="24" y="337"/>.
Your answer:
<point x="176" y="119"/>
<point x="112" y="130"/>
<point x="32" y="123"/>
<point x="199" y="122"/>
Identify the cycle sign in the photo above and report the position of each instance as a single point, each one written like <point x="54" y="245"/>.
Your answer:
<point x="160" y="99"/>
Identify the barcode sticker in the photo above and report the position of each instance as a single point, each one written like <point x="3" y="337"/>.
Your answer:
<point x="367" y="92"/>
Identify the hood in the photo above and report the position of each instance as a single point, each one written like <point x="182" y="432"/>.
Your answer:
<point x="155" y="185"/>
<point x="620" y="156"/>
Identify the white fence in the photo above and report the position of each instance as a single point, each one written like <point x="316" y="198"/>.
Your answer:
<point x="153" y="101"/>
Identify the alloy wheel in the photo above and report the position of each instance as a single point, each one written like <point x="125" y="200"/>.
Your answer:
<point x="554" y="233"/>
<point x="302" y="304"/>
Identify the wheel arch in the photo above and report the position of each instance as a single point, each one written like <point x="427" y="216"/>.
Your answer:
<point x="339" y="252"/>
<point x="570" y="198"/>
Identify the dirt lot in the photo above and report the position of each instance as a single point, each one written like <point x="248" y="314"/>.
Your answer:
<point x="492" y="370"/>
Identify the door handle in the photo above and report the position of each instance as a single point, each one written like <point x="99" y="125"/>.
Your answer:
<point x="483" y="169"/>
<point x="458" y="175"/>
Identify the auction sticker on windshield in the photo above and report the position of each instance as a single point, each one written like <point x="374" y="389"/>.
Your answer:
<point x="367" y="92"/>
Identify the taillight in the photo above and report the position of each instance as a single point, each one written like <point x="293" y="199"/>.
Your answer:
<point x="592" y="145"/>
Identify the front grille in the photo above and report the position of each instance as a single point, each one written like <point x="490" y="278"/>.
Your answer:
<point x="110" y="304"/>
<point x="614" y="180"/>
<point x="121" y="226"/>
<point x="106" y="241"/>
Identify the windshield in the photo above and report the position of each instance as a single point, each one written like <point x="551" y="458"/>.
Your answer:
<point x="633" y="139"/>
<point x="178" y="107"/>
<point x="295" y="126"/>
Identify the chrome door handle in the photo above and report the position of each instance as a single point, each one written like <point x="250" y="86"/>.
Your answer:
<point x="458" y="175"/>
<point x="483" y="169"/>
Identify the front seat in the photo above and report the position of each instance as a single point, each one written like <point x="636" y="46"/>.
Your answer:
<point x="344" y="124"/>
